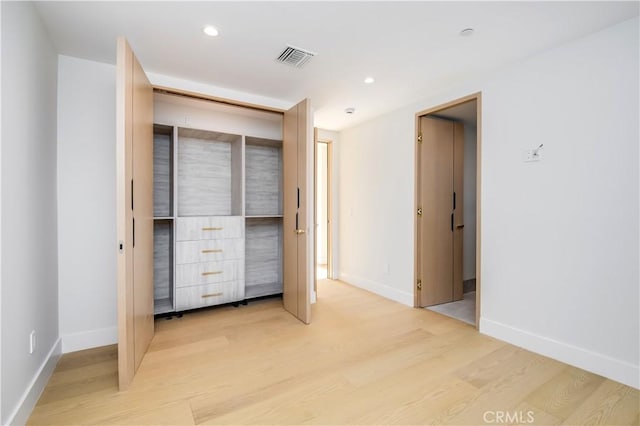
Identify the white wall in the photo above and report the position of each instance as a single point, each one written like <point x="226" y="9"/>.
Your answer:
<point x="559" y="237"/>
<point x="29" y="252"/>
<point x="376" y="205"/>
<point x="469" y="186"/>
<point x="86" y="212"/>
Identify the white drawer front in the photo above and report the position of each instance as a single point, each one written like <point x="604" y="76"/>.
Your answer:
<point x="209" y="228"/>
<point x="209" y="250"/>
<point x="191" y="274"/>
<point x="208" y="295"/>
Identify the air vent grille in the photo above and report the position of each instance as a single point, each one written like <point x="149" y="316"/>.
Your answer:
<point x="294" y="56"/>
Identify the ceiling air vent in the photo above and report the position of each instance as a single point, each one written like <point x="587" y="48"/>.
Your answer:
<point x="294" y="56"/>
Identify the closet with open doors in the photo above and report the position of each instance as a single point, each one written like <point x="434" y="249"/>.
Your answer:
<point x="212" y="205"/>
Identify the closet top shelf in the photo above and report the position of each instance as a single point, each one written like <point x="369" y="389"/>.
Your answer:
<point x="252" y="140"/>
<point x="208" y="135"/>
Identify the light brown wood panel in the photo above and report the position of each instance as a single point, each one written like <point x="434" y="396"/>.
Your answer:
<point x="142" y="172"/>
<point x="134" y="150"/>
<point x="365" y="360"/>
<point x="304" y="215"/>
<point x="290" y="210"/>
<point x="436" y="201"/>
<point x="329" y="211"/>
<point x="315" y="208"/>
<point x="124" y="213"/>
<point x="296" y="221"/>
<point x="458" y="212"/>
<point x="478" y="98"/>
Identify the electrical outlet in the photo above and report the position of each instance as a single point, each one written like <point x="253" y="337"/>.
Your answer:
<point x="32" y="342"/>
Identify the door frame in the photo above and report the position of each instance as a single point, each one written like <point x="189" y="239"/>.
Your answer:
<point x="478" y="98"/>
<point x="329" y="144"/>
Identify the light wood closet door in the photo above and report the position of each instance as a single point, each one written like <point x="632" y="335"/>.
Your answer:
<point x="296" y="292"/>
<point x="134" y="118"/>
<point x="440" y="225"/>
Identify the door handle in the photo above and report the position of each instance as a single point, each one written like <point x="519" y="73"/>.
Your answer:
<point x="460" y="226"/>
<point x="300" y="231"/>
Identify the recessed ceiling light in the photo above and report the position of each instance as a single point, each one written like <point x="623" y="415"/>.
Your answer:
<point x="210" y="30"/>
<point x="467" y="32"/>
<point x="350" y="110"/>
<point x="369" y="80"/>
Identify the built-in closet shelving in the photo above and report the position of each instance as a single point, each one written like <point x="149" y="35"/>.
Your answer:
<point x="163" y="224"/>
<point x="217" y="204"/>
<point x="263" y="214"/>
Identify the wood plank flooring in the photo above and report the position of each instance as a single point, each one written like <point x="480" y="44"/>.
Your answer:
<point x="363" y="360"/>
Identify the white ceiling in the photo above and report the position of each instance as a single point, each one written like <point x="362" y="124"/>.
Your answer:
<point x="411" y="48"/>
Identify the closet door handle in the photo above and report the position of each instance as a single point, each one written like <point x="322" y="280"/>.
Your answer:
<point x="212" y="251"/>
<point x="300" y="231"/>
<point x="460" y="226"/>
<point x="204" y="274"/>
<point x="212" y="229"/>
<point x="204" y="296"/>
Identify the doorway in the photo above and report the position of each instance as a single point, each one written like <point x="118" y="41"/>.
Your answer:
<point x="447" y="263"/>
<point x="323" y="209"/>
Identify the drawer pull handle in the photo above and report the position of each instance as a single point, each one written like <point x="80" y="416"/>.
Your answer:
<point x="212" y="251"/>
<point x="204" y="296"/>
<point x="211" y="273"/>
<point x="212" y="229"/>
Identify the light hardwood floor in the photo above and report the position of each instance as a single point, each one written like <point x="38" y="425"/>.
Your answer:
<point x="363" y="360"/>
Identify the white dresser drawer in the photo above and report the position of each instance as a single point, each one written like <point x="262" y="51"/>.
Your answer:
<point x="208" y="295"/>
<point x="209" y="272"/>
<point x="209" y="250"/>
<point x="209" y="228"/>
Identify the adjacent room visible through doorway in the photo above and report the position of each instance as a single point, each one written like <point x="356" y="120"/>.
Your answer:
<point x="447" y="203"/>
<point x="323" y="209"/>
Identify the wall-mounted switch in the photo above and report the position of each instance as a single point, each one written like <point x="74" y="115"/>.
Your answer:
<point x="532" y="154"/>
<point x="32" y="342"/>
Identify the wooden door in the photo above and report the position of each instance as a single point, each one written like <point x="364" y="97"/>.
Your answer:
<point x="134" y="145"/>
<point x="440" y="210"/>
<point x="296" y="293"/>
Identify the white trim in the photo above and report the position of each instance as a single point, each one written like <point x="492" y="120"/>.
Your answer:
<point x="594" y="362"/>
<point x="30" y="397"/>
<point x="377" y="288"/>
<point x="89" y="339"/>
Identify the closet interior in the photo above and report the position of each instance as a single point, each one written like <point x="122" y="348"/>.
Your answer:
<point x="218" y="205"/>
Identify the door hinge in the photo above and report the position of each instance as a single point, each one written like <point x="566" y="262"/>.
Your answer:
<point x="419" y="211"/>
<point x="419" y="285"/>
<point x="419" y="137"/>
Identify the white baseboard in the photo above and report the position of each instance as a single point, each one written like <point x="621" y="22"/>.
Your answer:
<point x="594" y="362"/>
<point x="89" y="339"/>
<point x="377" y="288"/>
<point x="29" y="399"/>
